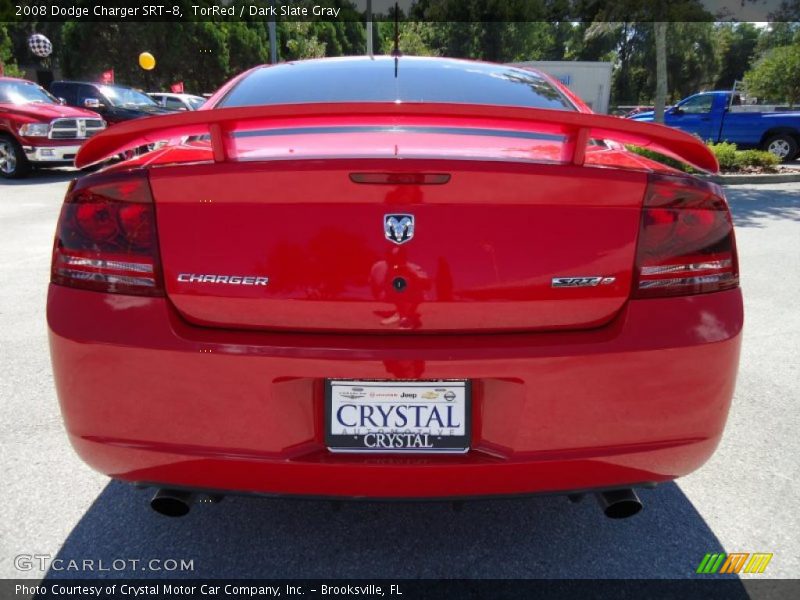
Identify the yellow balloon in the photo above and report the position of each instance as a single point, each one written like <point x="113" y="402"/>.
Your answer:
<point x="147" y="61"/>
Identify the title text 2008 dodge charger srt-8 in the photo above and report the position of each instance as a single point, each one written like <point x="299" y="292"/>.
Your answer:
<point x="394" y="278"/>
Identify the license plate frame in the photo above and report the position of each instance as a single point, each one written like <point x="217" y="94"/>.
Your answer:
<point x="356" y="441"/>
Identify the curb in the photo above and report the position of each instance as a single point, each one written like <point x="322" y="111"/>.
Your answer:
<point x="750" y="179"/>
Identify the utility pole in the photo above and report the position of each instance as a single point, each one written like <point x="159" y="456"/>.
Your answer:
<point x="660" y="28"/>
<point x="369" y="28"/>
<point x="273" y="42"/>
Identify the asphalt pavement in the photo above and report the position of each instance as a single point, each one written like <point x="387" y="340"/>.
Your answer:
<point x="745" y="499"/>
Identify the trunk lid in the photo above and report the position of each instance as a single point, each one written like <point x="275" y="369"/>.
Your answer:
<point x="299" y="245"/>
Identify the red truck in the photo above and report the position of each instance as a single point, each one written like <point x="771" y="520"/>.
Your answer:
<point x="37" y="130"/>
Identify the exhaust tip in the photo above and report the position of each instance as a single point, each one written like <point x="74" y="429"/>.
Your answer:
<point x="171" y="503"/>
<point x="619" y="504"/>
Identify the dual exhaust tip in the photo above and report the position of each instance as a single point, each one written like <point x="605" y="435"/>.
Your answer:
<point x="616" y="504"/>
<point x="619" y="504"/>
<point x="172" y="503"/>
<point x="177" y="503"/>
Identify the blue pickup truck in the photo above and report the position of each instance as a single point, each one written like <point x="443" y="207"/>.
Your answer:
<point x="720" y="117"/>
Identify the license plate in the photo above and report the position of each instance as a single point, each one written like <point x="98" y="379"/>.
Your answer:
<point x="397" y="416"/>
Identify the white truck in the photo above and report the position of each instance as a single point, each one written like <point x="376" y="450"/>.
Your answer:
<point x="591" y="81"/>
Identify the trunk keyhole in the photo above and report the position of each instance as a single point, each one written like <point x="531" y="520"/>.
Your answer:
<point x="399" y="284"/>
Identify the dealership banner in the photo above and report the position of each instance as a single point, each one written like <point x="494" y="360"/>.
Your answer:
<point x="727" y="588"/>
<point x="407" y="10"/>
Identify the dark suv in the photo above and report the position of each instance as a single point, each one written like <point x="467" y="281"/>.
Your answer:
<point x="114" y="102"/>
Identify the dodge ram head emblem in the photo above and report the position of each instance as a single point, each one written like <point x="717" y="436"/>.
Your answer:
<point x="398" y="228"/>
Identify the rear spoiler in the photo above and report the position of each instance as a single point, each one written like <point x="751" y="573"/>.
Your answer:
<point x="577" y="128"/>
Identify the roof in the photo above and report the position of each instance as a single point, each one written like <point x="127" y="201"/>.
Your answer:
<point x="70" y="81"/>
<point x="19" y="79"/>
<point x="174" y="95"/>
<point x="380" y="62"/>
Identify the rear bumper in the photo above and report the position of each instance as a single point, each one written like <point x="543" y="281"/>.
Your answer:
<point x="149" y="398"/>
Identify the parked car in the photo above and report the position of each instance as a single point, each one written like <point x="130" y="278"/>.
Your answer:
<point x="638" y="110"/>
<point x="116" y="103"/>
<point x="37" y="131"/>
<point x="174" y="101"/>
<point x="714" y="116"/>
<point x="395" y="278"/>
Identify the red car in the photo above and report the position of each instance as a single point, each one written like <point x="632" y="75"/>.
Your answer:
<point x="37" y="131"/>
<point x="394" y="278"/>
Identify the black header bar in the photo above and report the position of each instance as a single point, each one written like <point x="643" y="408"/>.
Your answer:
<point x="409" y="10"/>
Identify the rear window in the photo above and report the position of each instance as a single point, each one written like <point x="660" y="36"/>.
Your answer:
<point x="416" y="80"/>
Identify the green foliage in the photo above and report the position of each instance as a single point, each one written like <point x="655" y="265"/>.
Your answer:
<point x="202" y="54"/>
<point x="493" y="30"/>
<point x="417" y="38"/>
<point x="691" y="62"/>
<point x="6" y="56"/>
<point x="782" y="32"/>
<point x="776" y="76"/>
<point x="758" y="158"/>
<point x="729" y="157"/>
<point x="6" y="11"/>
<point x="662" y="158"/>
<point x="195" y="52"/>
<point x="298" y="41"/>
<point x="726" y="154"/>
<point x="492" y="41"/>
<point x="18" y="33"/>
<point x="734" y="48"/>
<point x="248" y="45"/>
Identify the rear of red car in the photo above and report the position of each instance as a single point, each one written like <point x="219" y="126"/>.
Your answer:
<point x="385" y="302"/>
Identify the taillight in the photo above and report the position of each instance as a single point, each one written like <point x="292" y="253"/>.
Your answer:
<point x="106" y="237"/>
<point x="686" y="243"/>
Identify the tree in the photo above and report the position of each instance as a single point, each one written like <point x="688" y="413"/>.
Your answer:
<point x="734" y="47"/>
<point x="19" y="32"/>
<point x="493" y="30"/>
<point x="195" y="52"/>
<point x="789" y="10"/>
<point x="346" y="35"/>
<point x="599" y="40"/>
<point x="10" y="68"/>
<point x="779" y="33"/>
<point x="775" y="76"/>
<point x="248" y="45"/>
<point x="691" y="62"/>
<point x="631" y="46"/>
<point x="297" y="41"/>
<point x="416" y="37"/>
<point x="643" y="54"/>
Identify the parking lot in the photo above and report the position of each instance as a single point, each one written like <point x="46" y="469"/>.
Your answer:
<point x="746" y="499"/>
